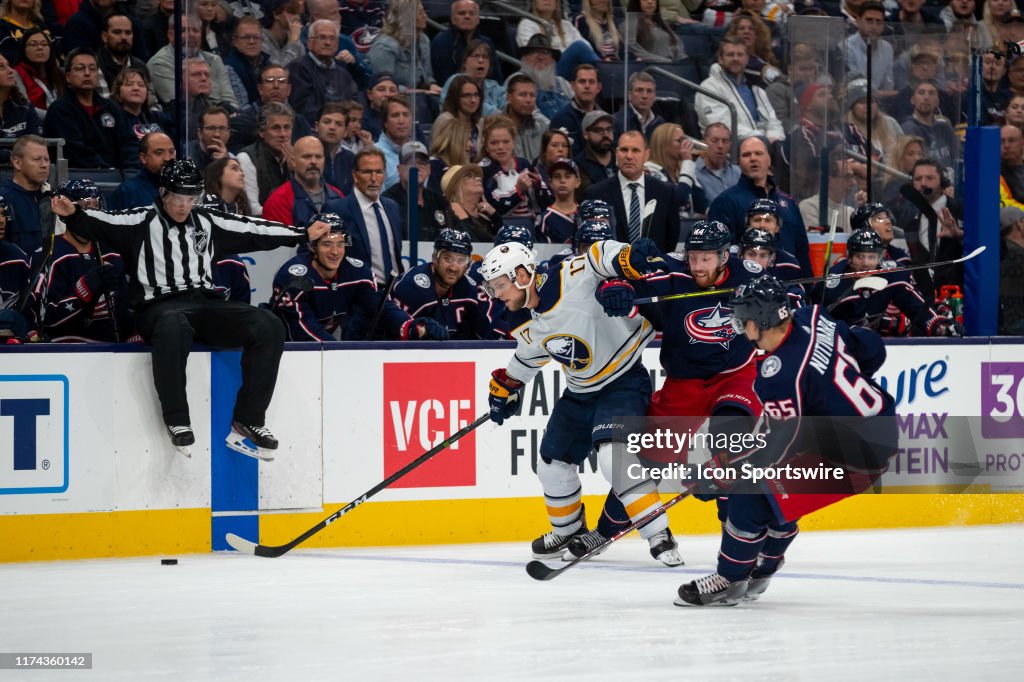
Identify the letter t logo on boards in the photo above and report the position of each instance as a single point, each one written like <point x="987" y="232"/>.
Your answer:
<point x="33" y="434"/>
<point x="424" y="403"/>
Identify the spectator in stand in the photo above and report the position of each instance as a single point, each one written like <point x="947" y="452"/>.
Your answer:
<point x="558" y="224"/>
<point x="161" y="64"/>
<point x="596" y="25"/>
<point x="96" y="132"/>
<point x="305" y="193"/>
<point x="398" y="126"/>
<point x="451" y="144"/>
<point x="638" y="113"/>
<point x="199" y="91"/>
<point x="317" y="78"/>
<point x="885" y="131"/>
<point x="727" y="78"/>
<point x="143" y="189"/>
<point x="511" y="184"/>
<point x="585" y="88"/>
<point x="464" y="100"/>
<point x="24" y="191"/>
<point x="16" y="17"/>
<point x="382" y="88"/>
<point x="755" y="34"/>
<point x="355" y="138"/>
<point x="17" y="116"/>
<point x="448" y="47"/>
<point x="215" y="26"/>
<point x="538" y="62"/>
<point x="154" y="27"/>
<point x="282" y="28"/>
<point x="561" y="34"/>
<point x="349" y="56"/>
<point x="245" y="60"/>
<point x="1011" y="271"/>
<point x="275" y="86"/>
<point x="1011" y="160"/>
<point x="522" y="108"/>
<point x="338" y="161"/>
<point x="714" y="171"/>
<point x="265" y="162"/>
<point x="804" y="68"/>
<point x="959" y="15"/>
<point x="671" y="161"/>
<point x="212" y="135"/>
<point x="476" y="64"/>
<point x="817" y="132"/>
<point x="363" y="14"/>
<point x="432" y="207"/>
<point x="392" y="51"/>
<point x="940" y="140"/>
<point x="648" y="37"/>
<point x="1015" y="77"/>
<point x="554" y="146"/>
<point x="757" y="182"/>
<point x="924" y="67"/>
<point x="994" y="92"/>
<point x="908" y="150"/>
<point x="1014" y="113"/>
<point x="992" y="19"/>
<point x="130" y="90"/>
<point x="842" y="195"/>
<point x="597" y="160"/>
<point x="39" y="73"/>
<point x="871" y="24"/>
<point x="225" y="179"/>
<point x="85" y="26"/>
<point x="463" y="188"/>
<point x="115" y="50"/>
<point x="912" y="18"/>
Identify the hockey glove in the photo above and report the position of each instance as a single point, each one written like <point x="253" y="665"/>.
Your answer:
<point x="96" y="282"/>
<point x="616" y="297"/>
<point x="946" y="327"/>
<point x="505" y="394"/>
<point x="428" y="329"/>
<point x="639" y="259"/>
<point x="714" y="481"/>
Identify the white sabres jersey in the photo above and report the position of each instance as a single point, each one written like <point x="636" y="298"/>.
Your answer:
<point x="570" y="327"/>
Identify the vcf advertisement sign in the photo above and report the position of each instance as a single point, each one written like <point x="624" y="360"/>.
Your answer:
<point x="424" y="403"/>
<point x="33" y="434"/>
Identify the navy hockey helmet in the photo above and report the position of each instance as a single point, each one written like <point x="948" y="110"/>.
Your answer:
<point x="514" y="233"/>
<point x="708" y="235"/>
<point x="861" y="218"/>
<point x="758" y="238"/>
<point x="337" y="225"/>
<point x="765" y="207"/>
<point x="764" y="301"/>
<point x="590" y="231"/>
<point x="211" y="200"/>
<point x="181" y="176"/>
<point x="81" y="189"/>
<point x="6" y="209"/>
<point x="864" y="241"/>
<point x="456" y="241"/>
<point x="595" y="208"/>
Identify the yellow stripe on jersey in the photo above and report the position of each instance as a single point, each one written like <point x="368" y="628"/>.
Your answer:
<point x="625" y="355"/>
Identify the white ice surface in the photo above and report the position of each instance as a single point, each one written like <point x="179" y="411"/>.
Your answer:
<point x="940" y="604"/>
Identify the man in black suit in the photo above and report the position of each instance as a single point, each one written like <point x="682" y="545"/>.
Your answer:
<point x="377" y="233"/>
<point x="630" y="190"/>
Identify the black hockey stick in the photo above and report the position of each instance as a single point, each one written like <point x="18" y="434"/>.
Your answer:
<point x="108" y="296"/>
<point x="388" y="286"/>
<point x="538" y="570"/>
<point x="270" y="551"/>
<point x="814" y="280"/>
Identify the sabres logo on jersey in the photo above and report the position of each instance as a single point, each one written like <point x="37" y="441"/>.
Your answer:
<point x="710" y="325"/>
<point x="571" y="351"/>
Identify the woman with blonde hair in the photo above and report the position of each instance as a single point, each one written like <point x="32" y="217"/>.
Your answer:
<point x="990" y="28"/>
<point x="672" y="162"/>
<point x="451" y="144"/>
<point x="16" y="17"/>
<point x="403" y="50"/>
<point x="562" y="34"/>
<point x="463" y="187"/>
<point x="596" y="25"/>
<point x="907" y="151"/>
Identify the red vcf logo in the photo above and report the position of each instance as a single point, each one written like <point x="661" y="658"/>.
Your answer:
<point x="424" y="403"/>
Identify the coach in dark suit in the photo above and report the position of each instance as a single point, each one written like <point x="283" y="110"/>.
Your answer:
<point x="630" y="190"/>
<point x="375" y="221"/>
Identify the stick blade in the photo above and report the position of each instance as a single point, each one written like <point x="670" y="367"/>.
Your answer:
<point x="541" y="571"/>
<point x="240" y="544"/>
<point x="971" y="255"/>
<point x="649" y="208"/>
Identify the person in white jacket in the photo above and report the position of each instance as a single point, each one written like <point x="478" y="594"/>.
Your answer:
<point x="755" y="115"/>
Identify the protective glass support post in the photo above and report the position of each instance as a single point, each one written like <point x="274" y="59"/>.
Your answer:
<point x="981" y="228"/>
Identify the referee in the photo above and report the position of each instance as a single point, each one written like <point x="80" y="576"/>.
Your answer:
<point x="169" y="249"/>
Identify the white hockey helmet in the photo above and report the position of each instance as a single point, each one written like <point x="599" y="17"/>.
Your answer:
<point x="505" y="260"/>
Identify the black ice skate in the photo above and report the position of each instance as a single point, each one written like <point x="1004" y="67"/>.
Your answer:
<point x="664" y="548"/>
<point x="254" y="441"/>
<point x="712" y="590"/>
<point x="552" y="546"/>
<point x="758" y="582"/>
<point x="182" y="438"/>
<point x="585" y="542"/>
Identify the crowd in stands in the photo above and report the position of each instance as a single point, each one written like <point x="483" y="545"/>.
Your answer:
<point x="291" y="106"/>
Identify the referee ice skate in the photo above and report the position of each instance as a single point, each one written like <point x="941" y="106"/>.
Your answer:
<point x="168" y="250"/>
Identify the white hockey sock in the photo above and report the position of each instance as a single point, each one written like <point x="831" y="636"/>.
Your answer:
<point x="638" y="496"/>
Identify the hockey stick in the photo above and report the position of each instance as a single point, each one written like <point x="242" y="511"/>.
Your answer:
<point x="108" y="296"/>
<point x="388" y="286"/>
<point x="649" y="208"/>
<point x="814" y="280"/>
<point x="538" y="570"/>
<point x="828" y="247"/>
<point x="271" y="551"/>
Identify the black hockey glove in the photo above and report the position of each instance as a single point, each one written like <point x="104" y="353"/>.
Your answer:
<point x="616" y="297"/>
<point x="96" y="282"/>
<point x="427" y="329"/>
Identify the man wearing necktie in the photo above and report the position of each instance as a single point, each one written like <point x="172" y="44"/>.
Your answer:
<point x="377" y="239"/>
<point x="630" y="190"/>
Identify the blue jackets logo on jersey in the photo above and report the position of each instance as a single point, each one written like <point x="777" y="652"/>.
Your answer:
<point x="571" y="351"/>
<point x="710" y="325"/>
<point x="771" y="366"/>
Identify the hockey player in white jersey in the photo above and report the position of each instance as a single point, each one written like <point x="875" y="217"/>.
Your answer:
<point x="606" y="380"/>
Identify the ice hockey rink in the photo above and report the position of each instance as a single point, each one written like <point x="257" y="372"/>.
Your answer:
<point x="937" y="604"/>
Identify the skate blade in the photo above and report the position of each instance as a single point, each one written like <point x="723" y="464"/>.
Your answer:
<point x="548" y="556"/>
<point x="185" y="450"/>
<point x="670" y="558"/>
<point x="685" y="604"/>
<point x="240" y="443"/>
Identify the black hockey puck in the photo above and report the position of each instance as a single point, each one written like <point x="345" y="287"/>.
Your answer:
<point x="168" y="562"/>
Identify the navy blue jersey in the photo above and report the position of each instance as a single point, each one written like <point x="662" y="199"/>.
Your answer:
<point x="869" y="308"/>
<point x="315" y="315"/>
<point x="698" y="339"/>
<point x="464" y="309"/>
<point x="556" y="260"/>
<point x="897" y="256"/>
<point x="231" y="278"/>
<point x="556" y="227"/>
<point x="56" y="310"/>
<point x="786" y="266"/>
<point x="14" y="271"/>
